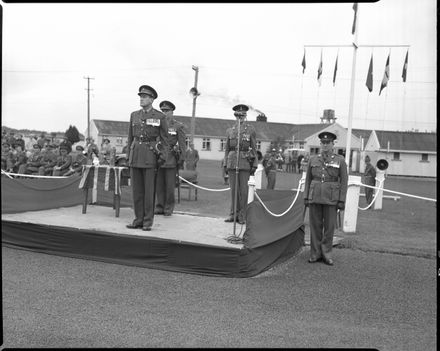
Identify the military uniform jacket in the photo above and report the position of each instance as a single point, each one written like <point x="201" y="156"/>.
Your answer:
<point x="248" y="147"/>
<point x="370" y="175"/>
<point x="269" y="163"/>
<point x="34" y="159"/>
<point x="64" y="162"/>
<point x="49" y="159"/>
<point x="145" y="130"/>
<point x="326" y="179"/>
<point x="176" y="143"/>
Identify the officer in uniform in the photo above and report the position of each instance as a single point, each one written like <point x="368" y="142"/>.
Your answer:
<point x="325" y="191"/>
<point x="147" y="140"/>
<point x="78" y="161"/>
<point x="244" y="140"/>
<point x="167" y="173"/>
<point x="369" y="179"/>
<point x="63" y="162"/>
<point x="34" y="161"/>
<point x="270" y="168"/>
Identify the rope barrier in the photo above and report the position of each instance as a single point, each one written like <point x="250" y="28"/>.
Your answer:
<point x="290" y="207"/>
<point x="374" y="197"/>
<point x="200" y="187"/>
<point x="391" y="191"/>
<point x="12" y="175"/>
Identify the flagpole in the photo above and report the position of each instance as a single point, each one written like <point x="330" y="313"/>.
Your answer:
<point x="352" y="84"/>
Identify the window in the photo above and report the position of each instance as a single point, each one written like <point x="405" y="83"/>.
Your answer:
<point x="206" y="144"/>
<point x="396" y="156"/>
<point x="118" y="141"/>
<point x="259" y="145"/>
<point x="314" y="150"/>
<point x="222" y="144"/>
<point x="301" y="146"/>
<point x="424" y="158"/>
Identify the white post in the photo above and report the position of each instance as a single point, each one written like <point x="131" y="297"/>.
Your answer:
<point x="259" y="176"/>
<point x="303" y="181"/>
<point x="351" y="205"/>
<point x="251" y="191"/>
<point x="380" y="177"/>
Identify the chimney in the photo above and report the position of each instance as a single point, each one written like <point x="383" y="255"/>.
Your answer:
<point x="328" y="117"/>
<point x="261" y="118"/>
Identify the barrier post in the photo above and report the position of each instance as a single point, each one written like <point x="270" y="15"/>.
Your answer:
<point x="303" y="181"/>
<point x="380" y="177"/>
<point x="251" y="191"/>
<point x="259" y="176"/>
<point x="351" y="205"/>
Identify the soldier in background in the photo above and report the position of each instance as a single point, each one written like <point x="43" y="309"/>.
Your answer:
<point x="147" y="131"/>
<point x="18" y="158"/>
<point x="167" y="173"/>
<point x="33" y="163"/>
<point x="78" y="161"/>
<point x="63" y="163"/>
<point x="91" y="149"/>
<point x="369" y="179"/>
<point x="325" y="191"/>
<point x="270" y="168"/>
<point x="191" y="157"/>
<point x="48" y="161"/>
<point x="6" y="157"/>
<point x="245" y="162"/>
<point x="105" y="152"/>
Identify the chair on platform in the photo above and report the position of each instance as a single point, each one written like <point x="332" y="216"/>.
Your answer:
<point x="190" y="176"/>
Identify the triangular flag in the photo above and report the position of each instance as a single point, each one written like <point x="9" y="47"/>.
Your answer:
<point x="320" y="70"/>
<point x="369" y="82"/>
<point x="303" y="64"/>
<point x="336" y="68"/>
<point x="355" y="8"/>
<point x="405" y="67"/>
<point x="386" y="75"/>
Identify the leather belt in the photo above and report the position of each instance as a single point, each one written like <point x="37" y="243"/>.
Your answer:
<point x="144" y="140"/>
<point x="325" y="179"/>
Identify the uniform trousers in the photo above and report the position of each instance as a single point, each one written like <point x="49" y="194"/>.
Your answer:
<point x="369" y="191"/>
<point x="322" y="221"/>
<point x="142" y="184"/>
<point x="166" y="183"/>
<point x="271" y="179"/>
<point x="242" y="191"/>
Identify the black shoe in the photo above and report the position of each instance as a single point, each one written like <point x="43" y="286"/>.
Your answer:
<point x="133" y="226"/>
<point x="230" y="219"/>
<point x="166" y="214"/>
<point x="158" y="212"/>
<point x="329" y="262"/>
<point x="314" y="260"/>
<point x="146" y="229"/>
<point x="241" y="221"/>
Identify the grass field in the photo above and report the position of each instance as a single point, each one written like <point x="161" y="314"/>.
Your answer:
<point x="406" y="226"/>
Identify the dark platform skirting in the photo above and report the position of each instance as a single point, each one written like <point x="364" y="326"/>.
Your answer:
<point x="267" y="240"/>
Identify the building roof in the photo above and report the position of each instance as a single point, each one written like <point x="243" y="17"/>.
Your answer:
<point x="361" y="133"/>
<point x="407" y="141"/>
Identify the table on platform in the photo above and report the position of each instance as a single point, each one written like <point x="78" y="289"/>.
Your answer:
<point x="113" y="178"/>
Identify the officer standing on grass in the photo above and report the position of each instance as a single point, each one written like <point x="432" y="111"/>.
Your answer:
<point x="270" y="168"/>
<point x="325" y="191"/>
<point x="369" y="179"/>
<point x="241" y="136"/>
<point x="167" y="173"/>
<point x="147" y="140"/>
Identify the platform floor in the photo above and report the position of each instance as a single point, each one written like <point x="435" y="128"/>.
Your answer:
<point x="183" y="227"/>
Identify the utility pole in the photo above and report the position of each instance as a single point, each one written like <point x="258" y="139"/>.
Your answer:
<point x="88" y="105"/>
<point x="195" y="93"/>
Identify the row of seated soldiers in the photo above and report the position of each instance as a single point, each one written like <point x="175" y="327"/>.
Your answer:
<point x="49" y="160"/>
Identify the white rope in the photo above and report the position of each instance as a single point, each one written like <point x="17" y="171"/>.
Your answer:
<point x="29" y="175"/>
<point x="290" y="207"/>
<point x="374" y="197"/>
<point x="391" y="191"/>
<point x="200" y="187"/>
<point x="7" y="174"/>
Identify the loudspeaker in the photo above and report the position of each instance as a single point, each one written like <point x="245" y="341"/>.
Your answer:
<point x="382" y="164"/>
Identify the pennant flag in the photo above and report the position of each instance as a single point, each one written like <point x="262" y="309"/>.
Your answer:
<point x="386" y="75"/>
<point x="336" y="68"/>
<point x="369" y="82"/>
<point x="405" y="67"/>
<point x="355" y="8"/>
<point x="320" y="70"/>
<point x="304" y="61"/>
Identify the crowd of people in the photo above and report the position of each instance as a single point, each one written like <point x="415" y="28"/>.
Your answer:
<point x="41" y="156"/>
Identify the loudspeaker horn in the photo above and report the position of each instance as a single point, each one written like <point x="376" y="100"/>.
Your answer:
<point x="382" y="164"/>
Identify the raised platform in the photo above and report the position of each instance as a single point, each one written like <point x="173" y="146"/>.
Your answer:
<point x="47" y="217"/>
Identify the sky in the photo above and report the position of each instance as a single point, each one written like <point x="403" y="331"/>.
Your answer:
<point x="246" y="53"/>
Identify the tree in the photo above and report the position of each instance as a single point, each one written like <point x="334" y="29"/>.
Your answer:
<point x="72" y="134"/>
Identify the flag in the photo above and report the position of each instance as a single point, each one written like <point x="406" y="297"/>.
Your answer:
<point x="355" y="8"/>
<point x="369" y="82"/>
<point x="320" y="70"/>
<point x="336" y="68"/>
<point x="386" y="75"/>
<point x="405" y="67"/>
<point x="304" y="61"/>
